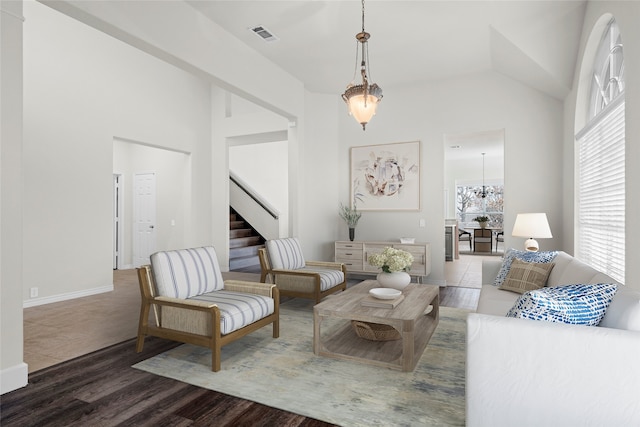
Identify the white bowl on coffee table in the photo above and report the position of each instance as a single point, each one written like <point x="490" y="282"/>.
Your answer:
<point x="385" y="293"/>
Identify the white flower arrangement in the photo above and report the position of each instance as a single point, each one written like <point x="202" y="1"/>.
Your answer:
<point x="391" y="260"/>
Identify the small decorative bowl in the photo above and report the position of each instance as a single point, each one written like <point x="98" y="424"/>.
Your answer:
<point x="385" y="293"/>
<point x="408" y="240"/>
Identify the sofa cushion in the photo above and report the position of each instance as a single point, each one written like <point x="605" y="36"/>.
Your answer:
<point x="526" y="276"/>
<point x="557" y="276"/>
<point x="495" y="301"/>
<point x="285" y="254"/>
<point x="545" y="256"/>
<point x="624" y="311"/>
<point x="184" y="273"/>
<point x="580" y="304"/>
<point x="579" y="272"/>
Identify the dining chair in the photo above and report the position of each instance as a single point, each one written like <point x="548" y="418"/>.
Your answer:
<point x="465" y="236"/>
<point x="482" y="240"/>
<point x="499" y="238"/>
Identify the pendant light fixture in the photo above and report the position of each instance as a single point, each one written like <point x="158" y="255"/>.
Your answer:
<point x="485" y="191"/>
<point x="362" y="99"/>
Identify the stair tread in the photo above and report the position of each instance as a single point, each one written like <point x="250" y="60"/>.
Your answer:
<point x="244" y="243"/>
<point x="246" y="261"/>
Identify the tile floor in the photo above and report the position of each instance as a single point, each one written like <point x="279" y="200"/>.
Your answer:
<point x="61" y="331"/>
<point x="466" y="271"/>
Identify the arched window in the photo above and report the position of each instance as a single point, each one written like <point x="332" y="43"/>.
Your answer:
<point x="608" y="72"/>
<point x="600" y="206"/>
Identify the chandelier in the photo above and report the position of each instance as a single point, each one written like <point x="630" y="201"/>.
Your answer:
<point x="362" y="99"/>
<point x="484" y="191"/>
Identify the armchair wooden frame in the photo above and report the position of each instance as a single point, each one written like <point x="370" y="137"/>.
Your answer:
<point x="316" y="294"/>
<point x="215" y="341"/>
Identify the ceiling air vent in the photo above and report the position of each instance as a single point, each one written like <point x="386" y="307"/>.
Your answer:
<point x="264" y="34"/>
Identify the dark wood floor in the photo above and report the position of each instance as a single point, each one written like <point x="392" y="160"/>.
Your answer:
<point x="102" y="389"/>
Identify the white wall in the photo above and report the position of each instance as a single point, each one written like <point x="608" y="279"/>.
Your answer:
<point x="83" y="88"/>
<point x="426" y="112"/>
<point x="627" y="14"/>
<point x="203" y="47"/>
<point x="264" y="168"/>
<point x="319" y="176"/>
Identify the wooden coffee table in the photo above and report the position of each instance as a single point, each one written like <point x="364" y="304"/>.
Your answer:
<point x="409" y="318"/>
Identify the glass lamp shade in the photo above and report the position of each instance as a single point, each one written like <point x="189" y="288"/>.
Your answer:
<point x="360" y="110"/>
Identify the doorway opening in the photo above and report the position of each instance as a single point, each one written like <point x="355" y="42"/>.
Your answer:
<point x="154" y="199"/>
<point x="474" y="188"/>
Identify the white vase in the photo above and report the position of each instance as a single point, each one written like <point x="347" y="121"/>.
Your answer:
<point x="396" y="280"/>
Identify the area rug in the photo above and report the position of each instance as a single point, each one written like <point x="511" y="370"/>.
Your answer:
<point x="285" y="374"/>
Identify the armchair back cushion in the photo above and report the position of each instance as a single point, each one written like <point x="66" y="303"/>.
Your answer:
<point x="185" y="273"/>
<point x="285" y="254"/>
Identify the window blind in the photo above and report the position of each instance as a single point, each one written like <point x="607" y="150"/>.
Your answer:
<point x="601" y="191"/>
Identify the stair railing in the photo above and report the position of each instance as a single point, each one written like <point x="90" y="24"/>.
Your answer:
<point x="258" y="212"/>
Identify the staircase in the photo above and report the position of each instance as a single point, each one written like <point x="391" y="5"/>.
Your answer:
<point x="244" y="243"/>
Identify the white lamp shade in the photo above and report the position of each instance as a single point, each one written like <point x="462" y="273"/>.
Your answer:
<point x="532" y="225"/>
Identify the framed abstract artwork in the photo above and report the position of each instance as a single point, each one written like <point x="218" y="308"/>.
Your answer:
<point x="386" y="177"/>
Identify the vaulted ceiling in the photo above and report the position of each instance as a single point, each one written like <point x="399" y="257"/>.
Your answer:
<point x="534" y="42"/>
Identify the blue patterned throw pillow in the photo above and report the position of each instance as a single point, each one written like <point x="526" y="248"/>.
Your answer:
<point x="580" y="304"/>
<point x="539" y="257"/>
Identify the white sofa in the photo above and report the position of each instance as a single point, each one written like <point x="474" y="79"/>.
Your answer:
<point x="523" y="372"/>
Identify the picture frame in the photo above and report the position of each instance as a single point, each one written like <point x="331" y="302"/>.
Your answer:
<point x="386" y="177"/>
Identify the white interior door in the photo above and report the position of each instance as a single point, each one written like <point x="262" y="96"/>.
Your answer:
<point x="144" y="217"/>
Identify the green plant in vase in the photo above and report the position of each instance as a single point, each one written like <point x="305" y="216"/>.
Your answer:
<point x="350" y="216"/>
<point x="482" y="220"/>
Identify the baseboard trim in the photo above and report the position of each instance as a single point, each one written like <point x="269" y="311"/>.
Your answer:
<point x="64" y="297"/>
<point x="442" y="283"/>
<point x="14" y="377"/>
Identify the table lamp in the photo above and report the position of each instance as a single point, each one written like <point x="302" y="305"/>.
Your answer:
<point x="532" y="226"/>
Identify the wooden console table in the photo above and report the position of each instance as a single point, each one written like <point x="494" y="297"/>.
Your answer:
<point x="355" y="256"/>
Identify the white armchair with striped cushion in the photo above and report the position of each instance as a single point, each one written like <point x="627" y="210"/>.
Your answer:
<point x="283" y="263"/>
<point x="193" y="304"/>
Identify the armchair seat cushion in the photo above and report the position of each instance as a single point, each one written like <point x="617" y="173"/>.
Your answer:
<point x="237" y="310"/>
<point x="329" y="278"/>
